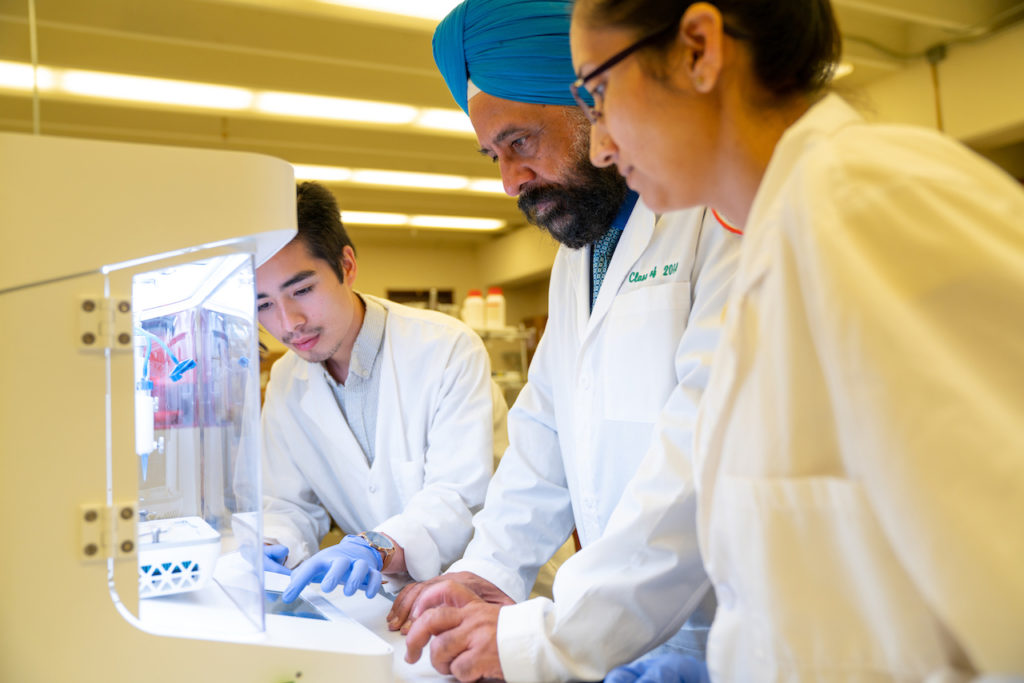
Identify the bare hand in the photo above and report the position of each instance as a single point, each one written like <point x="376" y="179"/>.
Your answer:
<point x="464" y="628"/>
<point x="403" y="612"/>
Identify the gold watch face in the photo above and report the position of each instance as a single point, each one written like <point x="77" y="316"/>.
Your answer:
<point x="382" y="544"/>
<point x="379" y="540"/>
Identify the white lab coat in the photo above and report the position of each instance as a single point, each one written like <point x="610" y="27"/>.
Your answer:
<point x="861" y="444"/>
<point x="433" y="446"/>
<point x="578" y="432"/>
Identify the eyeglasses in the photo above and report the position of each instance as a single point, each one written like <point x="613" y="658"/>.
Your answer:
<point x="579" y="87"/>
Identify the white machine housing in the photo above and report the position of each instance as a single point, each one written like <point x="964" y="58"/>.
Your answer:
<point x="80" y="219"/>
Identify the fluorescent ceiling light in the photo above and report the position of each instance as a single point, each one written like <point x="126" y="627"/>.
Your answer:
<point x="445" y="119"/>
<point x="19" y="76"/>
<point x="373" y="218"/>
<point x="370" y="176"/>
<point x="157" y="90"/>
<point x="128" y="88"/>
<point x="456" y="223"/>
<point x="842" y="69"/>
<point x="336" y="108"/>
<point x="432" y="181"/>
<point x="425" y="9"/>
<point x="326" y="173"/>
<point x="435" y="222"/>
<point x="487" y="185"/>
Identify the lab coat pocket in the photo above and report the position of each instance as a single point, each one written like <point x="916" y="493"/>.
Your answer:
<point x="808" y="585"/>
<point x="644" y="329"/>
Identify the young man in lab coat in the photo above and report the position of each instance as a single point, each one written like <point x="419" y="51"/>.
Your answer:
<point x="379" y="416"/>
<point x="635" y="308"/>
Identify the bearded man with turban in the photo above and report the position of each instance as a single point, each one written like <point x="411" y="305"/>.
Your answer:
<point x="600" y="437"/>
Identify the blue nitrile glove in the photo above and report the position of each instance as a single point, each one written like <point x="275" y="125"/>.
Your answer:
<point x="667" y="668"/>
<point x="273" y="558"/>
<point x="352" y="561"/>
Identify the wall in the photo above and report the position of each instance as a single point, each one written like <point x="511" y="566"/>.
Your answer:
<point x="980" y="103"/>
<point x="518" y="262"/>
<point x="525" y="302"/>
<point x="523" y="255"/>
<point x="394" y="266"/>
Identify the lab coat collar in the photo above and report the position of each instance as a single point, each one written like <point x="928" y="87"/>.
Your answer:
<point x="635" y="238"/>
<point x="823" y="119"/>
<point x="319" y="404"/>
<point x="368" y="341"/>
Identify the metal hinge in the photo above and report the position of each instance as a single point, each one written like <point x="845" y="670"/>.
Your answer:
<point x="107" y="531"/>
<point x="104" y="323"/>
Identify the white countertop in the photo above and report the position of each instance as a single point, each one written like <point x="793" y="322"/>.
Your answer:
<point x="355" y="624"/>
<point x="372" y="614"/>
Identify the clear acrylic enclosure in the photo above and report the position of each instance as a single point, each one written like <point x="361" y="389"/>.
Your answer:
<point x="196" y="376"/>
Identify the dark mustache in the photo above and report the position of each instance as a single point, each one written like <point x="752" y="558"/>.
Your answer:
<point x="530" y="198"/>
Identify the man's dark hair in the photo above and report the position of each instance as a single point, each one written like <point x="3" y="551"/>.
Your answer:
<point x="320" y="227"/>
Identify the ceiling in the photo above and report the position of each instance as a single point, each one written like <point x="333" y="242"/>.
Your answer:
<point x="315" y="48"/>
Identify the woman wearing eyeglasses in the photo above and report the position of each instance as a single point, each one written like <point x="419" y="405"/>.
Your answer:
<point x="860" y="449"/>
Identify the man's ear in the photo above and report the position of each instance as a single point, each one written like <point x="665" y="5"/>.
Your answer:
<point x="348" y="265"/>
<point x="700" y="31"/>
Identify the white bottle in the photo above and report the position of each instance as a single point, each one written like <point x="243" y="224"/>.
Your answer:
<point x="494" y="317"/>
<point x="473" y="309"/>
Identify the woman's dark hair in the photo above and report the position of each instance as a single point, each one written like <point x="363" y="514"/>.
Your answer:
<point x="320" y="227"/>
<point x="795" y="44"/>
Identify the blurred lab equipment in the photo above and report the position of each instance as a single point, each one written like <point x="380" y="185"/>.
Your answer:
<point x="494" y="306"/>
<point x="473" y="309"/>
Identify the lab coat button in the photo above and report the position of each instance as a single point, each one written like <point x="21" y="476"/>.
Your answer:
<point x="373" y="488"/>
<point x="585" y="381"/>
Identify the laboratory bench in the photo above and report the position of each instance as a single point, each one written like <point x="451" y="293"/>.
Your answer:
<point x="372" y="614"/>
<point x="316" y="620"/>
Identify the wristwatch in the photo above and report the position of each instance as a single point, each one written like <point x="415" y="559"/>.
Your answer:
<point x="382" y="544"/>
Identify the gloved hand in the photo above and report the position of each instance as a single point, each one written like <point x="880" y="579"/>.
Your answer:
<point x="273" y="558"/>
<point x="666" y="668"/>
<point x="352" y="561"/>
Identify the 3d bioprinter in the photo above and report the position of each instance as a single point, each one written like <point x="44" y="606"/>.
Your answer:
<point x="129" y="454"/>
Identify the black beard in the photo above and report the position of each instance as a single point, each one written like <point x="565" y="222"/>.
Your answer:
<point x="584" y="206"/>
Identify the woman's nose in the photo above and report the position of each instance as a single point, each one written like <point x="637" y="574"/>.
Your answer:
<point x="603" y="151"/>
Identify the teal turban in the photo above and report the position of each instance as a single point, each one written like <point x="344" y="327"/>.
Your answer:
<point x="513" y="49"/>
